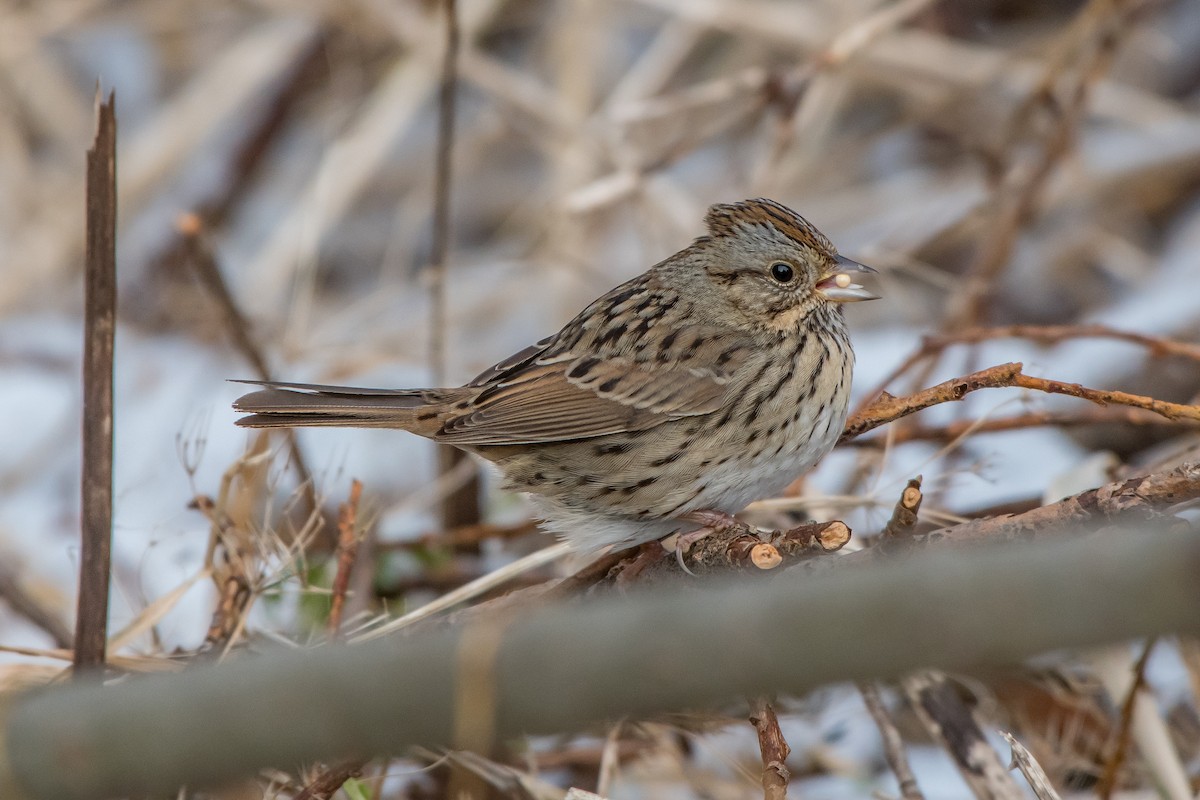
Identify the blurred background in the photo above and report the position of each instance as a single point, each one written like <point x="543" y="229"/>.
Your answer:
<point x="1000" y="163"/>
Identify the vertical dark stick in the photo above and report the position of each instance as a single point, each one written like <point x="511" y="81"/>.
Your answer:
<point x="460" y="507"/>
<point x="100" y="305"/>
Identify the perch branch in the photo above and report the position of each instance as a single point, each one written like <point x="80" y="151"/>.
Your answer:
<point x="1141" y="499"/>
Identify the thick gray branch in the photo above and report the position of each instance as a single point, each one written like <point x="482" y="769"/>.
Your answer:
<point x="563" y="668"/>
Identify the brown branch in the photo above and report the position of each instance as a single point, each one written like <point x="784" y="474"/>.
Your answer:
<point x="893" y="744"/>
<point x="773" y="747"/>
<point x="1112" y="764"/>
<point x="904" y="515"/>
<point x="347" y="550"/>
<point x="935" y="344"/>
<point x="1033" y="419"/>
<point x="1172" y="411"/>
<point x="888" y="408"/>
<point x="738" y="549"/>
<point x="1142" y="498"/>
<point x="100" y="308"/>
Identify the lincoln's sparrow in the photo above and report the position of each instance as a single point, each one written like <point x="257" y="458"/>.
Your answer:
<point x="710" y="380"/>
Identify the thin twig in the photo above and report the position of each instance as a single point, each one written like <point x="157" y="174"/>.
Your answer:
<point x="773" y="747"/>
<point x="1112" y="764"/>
<point x="935" y="344"/>
<point x="100" y="308"/>
<point x="1034" y="419"/>
<point x="198" y="253"/>
<point x="893" y="744"/>
<point x="1172" y="411"/>
<point x="460" y="507"/>
<point x="347" y="551"/>
<point x="1141" y="499"/>
<point x="887" y="408"/>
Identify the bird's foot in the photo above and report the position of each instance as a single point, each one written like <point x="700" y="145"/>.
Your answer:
<point x="710" y="522"/>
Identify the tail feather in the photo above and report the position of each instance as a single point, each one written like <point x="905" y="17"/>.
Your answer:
<point x="284" y="405"/>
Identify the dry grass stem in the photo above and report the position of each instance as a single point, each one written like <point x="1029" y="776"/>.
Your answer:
<point x="893" y="744"/>
<point x="25" y="603"/>
<point x="1120" y="746"/>
<point x="1031" y="769"/>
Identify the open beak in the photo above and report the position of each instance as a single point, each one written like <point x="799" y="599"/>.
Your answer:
<point x="839" y="286"/>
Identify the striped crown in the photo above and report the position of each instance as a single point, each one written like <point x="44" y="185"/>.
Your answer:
<point x="761" y="216"/>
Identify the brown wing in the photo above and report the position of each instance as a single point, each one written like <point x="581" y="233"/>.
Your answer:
<point x="562" y="397"/>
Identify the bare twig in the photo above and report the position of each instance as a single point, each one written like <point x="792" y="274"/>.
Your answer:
<point x="1141" y="498"/>
<point x="1033" y="419"/>
<point x="773" y="747"/>
<point x="1037" y="778"/>
<point x="935" y="344"/>
<point x="1120" y="746"/>
<point x="737" y="549"/>
<point x="198" y="253"/>
<point x="904" y="515"/>
<point x="1172" y="411"/>
<point x="893" y="745"/>
<point x="347" y="550"/>
<point x="460" y="507"/>
<point x="100" y="307"/>
<point x="887" y="408"/>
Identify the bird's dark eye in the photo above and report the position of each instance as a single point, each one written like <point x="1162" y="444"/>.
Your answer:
<point x="782" y="272"/>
